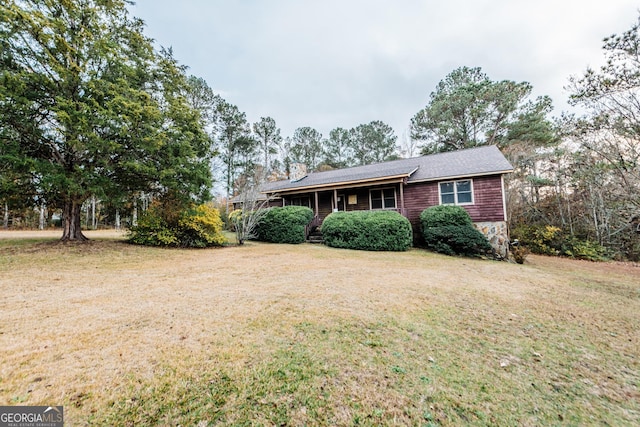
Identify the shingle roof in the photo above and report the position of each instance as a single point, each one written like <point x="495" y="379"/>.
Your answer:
<point x="471" y="162"/>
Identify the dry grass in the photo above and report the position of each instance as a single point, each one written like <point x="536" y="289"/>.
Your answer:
<point x="308" y="335"/>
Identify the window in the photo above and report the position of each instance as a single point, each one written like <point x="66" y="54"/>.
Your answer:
<point x="456" y="192"/>
<point x="383" y="199"/>
<point x="301" y="201"/>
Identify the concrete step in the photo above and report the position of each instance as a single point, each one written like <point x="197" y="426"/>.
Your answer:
<point x="315" y="238"/>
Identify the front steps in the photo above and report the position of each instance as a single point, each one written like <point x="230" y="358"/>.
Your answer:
<point x="315" y="236"/>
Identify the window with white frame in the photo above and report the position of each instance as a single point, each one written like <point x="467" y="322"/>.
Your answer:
<point x="384" y="198"/>
<point x="456" y="192"/>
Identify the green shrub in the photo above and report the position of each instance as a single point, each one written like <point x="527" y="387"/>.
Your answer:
<point x="449" y="230"/>
<point x="585" y="249"/>
<point x="196" y="227"/>
<point x="456" y="240"/>
<point x="368" y="230"/>
<point x="152" y="230"/>
<point x="437" y="216"/>
<point x="543" y="240"/>
<point x="551" y="240"/>
<point x="285" y="224"/>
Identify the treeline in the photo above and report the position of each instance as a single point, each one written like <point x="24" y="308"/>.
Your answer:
<point x="580" y="195"/>
<point x="253" y="151"/>
<point x="95" y="123"/>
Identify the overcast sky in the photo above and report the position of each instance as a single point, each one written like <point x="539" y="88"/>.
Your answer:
<point x="341" y="63"/>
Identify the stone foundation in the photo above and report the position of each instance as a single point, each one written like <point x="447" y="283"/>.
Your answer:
<point x="498" y="235"/>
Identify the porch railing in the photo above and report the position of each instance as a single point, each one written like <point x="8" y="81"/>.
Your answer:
<point x="315" y="222"/>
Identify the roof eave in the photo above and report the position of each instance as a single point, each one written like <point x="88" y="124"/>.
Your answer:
<point x="466" y="175"/>
<point x="343" y="184"/>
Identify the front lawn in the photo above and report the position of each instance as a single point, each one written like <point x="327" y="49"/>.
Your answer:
<point x="266" y="334"/>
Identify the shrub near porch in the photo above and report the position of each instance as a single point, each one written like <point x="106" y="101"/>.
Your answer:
<point x="285" y="224"/>
<point x="369" y="230"/>
<point x="448" y="229"/>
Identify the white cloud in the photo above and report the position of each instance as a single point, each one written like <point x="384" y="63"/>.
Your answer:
<point x="342" y="63"/>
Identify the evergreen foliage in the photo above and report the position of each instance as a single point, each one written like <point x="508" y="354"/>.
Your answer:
<point x="449" y="230"/>
<point x="89" y="108"/>
<point x="368" y="230"/>
<point x="284" y="224"/>
<point x="468" y="109"/>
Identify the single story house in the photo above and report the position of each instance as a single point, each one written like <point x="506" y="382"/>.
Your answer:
<point x="472" y="178"/>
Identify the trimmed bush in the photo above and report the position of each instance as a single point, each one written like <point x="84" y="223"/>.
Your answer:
<point x="368" y="230"/>
<point x="456" y="240"/>
<point x="285" y="224"/>
<point x="449" y="230"/>
<point x="437" y="216"/>
<point x="197" y="227"/>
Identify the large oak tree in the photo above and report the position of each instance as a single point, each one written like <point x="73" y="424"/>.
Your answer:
<point x="88" y="107"/>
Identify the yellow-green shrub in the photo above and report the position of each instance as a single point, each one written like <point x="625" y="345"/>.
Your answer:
<point x="201" y="227"/>
<point x="551" y="240"/>
<point x="196" y="227"/>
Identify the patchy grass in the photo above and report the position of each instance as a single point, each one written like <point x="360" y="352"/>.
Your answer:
<point x="308" y="335"/>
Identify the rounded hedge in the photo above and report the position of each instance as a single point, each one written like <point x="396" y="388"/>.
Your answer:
<point x="443" y="215"/>
<point x="449" y="230"/>
<point x="284" y="224"/>
<point x="368" y="230"/>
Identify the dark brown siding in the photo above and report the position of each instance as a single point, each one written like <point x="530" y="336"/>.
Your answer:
<point x="487" y="199"/>
<point x="362" y="195"/>
<point x="418" y="197"/>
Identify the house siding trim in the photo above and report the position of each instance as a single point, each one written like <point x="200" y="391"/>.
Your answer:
<point x="340" y="185"/>
<point x="504" y="198"/>
<point x="457" y="177"/>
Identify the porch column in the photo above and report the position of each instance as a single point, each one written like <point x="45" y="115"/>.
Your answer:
<point x="335" y="199"/>
<point x="402" y="211"/>
<point x="317" y="210"/>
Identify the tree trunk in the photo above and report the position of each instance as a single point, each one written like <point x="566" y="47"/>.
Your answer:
<point x="94" y="223"/>
<point x="134" y="215"/>
<point x="5" y="222"/>
<point x="41" y="220"/>
<point x="71" y="221"/>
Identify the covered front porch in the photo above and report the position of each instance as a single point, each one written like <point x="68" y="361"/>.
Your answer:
<point x="384" y="196"/>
